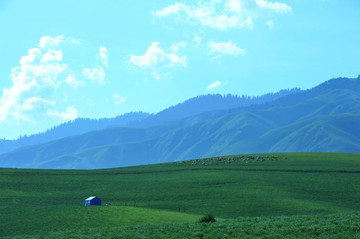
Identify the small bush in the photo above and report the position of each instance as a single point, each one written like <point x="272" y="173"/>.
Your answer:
<point x="207" y="218"/>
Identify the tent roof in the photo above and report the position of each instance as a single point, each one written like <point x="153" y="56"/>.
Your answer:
<point x="91" y="198"/>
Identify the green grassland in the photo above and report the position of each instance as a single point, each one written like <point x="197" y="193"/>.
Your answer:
<point x="301" y="226"/>
<point x="319" y="185"/>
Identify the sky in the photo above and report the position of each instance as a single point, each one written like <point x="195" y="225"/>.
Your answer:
<point x="60" y="60"/>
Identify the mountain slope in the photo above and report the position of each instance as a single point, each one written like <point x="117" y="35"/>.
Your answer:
<point x="109" y="148"/>
<point x="185" y="109"/>
<point x="38" y="154"/>
<point x="337" y="133"/>
<point x="76" y="127"/>
<point x="206" y="103"/>
<point x="325" y="118"/>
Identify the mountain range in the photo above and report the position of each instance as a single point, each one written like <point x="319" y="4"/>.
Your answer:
<point x="325" y="118"/>
<point x="190" y="107"/>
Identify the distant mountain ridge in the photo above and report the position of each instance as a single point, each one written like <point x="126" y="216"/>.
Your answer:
<point x="325" y="118"/>
<point x="211" y="102"/>
<point x="190" y="107"/>
<point x="336" y="133"/>
<point x="76" y="127"/>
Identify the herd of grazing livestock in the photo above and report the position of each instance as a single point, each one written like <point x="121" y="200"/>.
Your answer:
<point x="229" y="160"/>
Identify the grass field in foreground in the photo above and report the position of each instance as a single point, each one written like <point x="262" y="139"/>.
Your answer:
<point x="314" y="226"/>
<point x="37" y="201"/>
<point x="58" y="218"/>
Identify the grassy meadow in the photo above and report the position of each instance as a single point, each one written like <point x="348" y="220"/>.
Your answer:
<point x="288" y="188"/>
<point x="301" y="226"/>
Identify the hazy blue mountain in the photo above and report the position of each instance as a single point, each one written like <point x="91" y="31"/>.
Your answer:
<point x="190" y="107"/>
<point x="324" y="136"/>
<point x="335" y="133"/>
<point x="78" y="126"/>
<point x="211" y="102"/>
<point x="138" y="146"/>
<point x="325" y="118"/>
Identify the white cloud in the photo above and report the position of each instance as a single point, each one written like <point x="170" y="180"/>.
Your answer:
<point x="197" y="40"/>
<point x="71" y="113"/>
<point x="157" y="76"/>
<point x="176" y="46"/>
<point x="213" y="86"/>
<point x="234" y="6"/>
<point x="34" y="102"/>
<point x="176" y="8"/>
<point x="75" y="41"/>
<point x="47" y="41"/>
<point x="274" y="6"/>
<point x="38" y="72"/>
<point x="225" y="48"/>
<point x="95" y="74"/>
<point x="103" y="54"/>
<point x="155" y="57"/>
<point x="73" y="81"/>
<point x="270" y="24"/>
<point x="30" y="107"/>
<point x="52" y="55"/>
<point x="37" y="83"/>
<point x="206" y="15"/>
<point x="119" y="99"/>
<point x="223" y="15"/>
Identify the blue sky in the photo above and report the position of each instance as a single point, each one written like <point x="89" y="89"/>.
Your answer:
<point x="60" y="60"/>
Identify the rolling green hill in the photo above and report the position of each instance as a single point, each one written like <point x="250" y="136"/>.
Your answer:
<point x="38" y="201"/>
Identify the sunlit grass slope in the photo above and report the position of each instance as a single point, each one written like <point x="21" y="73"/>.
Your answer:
<point x="36" y="201"/>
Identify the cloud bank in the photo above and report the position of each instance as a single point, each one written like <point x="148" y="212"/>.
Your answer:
<point x="233" y="13"/>
<point x="40" y="75"/>
<point x="37" y="75"/>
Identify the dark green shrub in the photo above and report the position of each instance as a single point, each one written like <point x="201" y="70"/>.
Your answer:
<point x="207" y="218"/>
